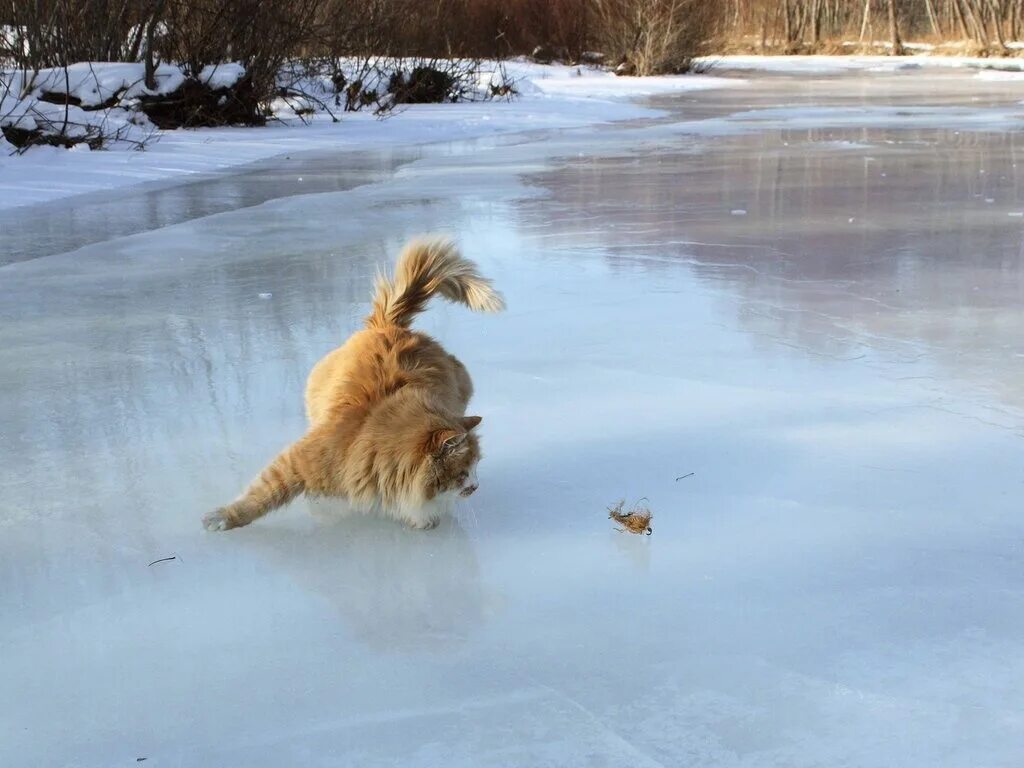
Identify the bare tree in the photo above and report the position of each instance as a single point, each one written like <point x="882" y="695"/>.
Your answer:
<point x="806" y="24"/>
<point x="894" y="30"/>
<point x="150" y="26"/>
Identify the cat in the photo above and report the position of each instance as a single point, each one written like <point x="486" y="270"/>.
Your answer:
<point x="386" y="410"/>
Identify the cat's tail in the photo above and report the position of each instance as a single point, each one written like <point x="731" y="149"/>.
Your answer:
<point x="429" y="266"/>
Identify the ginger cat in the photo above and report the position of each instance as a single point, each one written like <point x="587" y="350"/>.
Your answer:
<point x="387" y="423"/>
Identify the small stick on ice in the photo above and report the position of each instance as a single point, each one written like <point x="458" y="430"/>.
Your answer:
<point x="683" y="477"/>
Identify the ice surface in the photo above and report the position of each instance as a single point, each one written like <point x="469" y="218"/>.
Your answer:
<point x="839" y="583"/>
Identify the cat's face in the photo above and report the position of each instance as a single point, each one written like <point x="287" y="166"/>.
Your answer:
<point x="455" y="451"/>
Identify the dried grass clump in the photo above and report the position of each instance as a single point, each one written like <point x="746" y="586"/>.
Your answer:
<point x="636" y="520"/>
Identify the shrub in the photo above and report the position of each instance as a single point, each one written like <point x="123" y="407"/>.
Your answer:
<point x="423" y="85"/>
<point x="197" y="104"/>
<point x="650" y="37"/>
<point x="259" y="35"/>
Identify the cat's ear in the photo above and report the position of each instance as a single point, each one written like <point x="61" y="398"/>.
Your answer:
<point x="445" y="440"/>
<point x="468" y="422"/>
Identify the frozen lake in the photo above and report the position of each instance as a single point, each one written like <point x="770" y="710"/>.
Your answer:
<point x="806" y="291"/>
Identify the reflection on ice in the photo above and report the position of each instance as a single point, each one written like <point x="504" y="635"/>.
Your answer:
<point x="904" y="249"/>
<point x="395" y="589"/>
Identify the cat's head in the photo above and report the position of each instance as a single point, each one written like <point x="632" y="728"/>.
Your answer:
<point x="453" y="451"/>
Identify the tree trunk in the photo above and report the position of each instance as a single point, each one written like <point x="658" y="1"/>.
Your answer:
<point x="894" y="30"/>
<point x="865" y="25"/>
<point x="933" y="18"/>
<point x="976" y="22"/>
<point x="154" y="21"/>
<point x="961" y="21"/>
<point x="997" y="24"/>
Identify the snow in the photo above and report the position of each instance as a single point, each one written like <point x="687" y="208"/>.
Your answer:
<point x="1000" y="74"/>
<point x="553" y="97"/>
<point x="69" y="120"/>
<point x="838" y="583"/>
<point x="824" y="64"/>
<point x="593" y="82"/>
<point x="221" y="75"/>
<point x="9" y="37"/>
<point x="95" y="86"/>
<point x="94" y="83"/>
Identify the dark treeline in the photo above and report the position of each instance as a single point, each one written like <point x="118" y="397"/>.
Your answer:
<point x="373" y="53"/>
<point x="643" y="36"/>
<point x="650" y="35"/>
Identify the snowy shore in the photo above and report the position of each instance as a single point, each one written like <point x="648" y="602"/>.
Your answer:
<point x="550" y="97"/>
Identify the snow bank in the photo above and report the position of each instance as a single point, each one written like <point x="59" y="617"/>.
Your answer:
<point x="591" y="82"/>
<point x="96" y="83"/>
<point x="100" y="96"/>
<point x="70" y="121"/>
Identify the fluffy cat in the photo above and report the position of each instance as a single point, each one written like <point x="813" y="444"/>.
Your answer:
<point x="387" y="424"/>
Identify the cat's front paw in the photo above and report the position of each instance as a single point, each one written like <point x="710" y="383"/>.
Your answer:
<point x="422" y="523"/>
<point x="217" y="520"/>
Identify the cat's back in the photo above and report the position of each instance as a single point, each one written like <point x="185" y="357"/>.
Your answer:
<point x="373" y="364"/>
